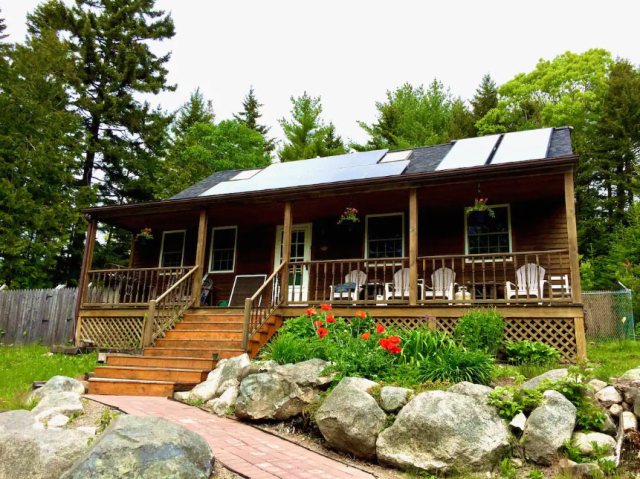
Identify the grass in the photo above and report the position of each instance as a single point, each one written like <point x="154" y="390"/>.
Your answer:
<point x="612" y="358"/>
<point x="21" y="365"/>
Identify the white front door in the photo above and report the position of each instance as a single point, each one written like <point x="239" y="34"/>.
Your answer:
<point x="298" y="288"/>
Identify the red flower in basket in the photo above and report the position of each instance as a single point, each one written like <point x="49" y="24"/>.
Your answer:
<point x="331" y="319"/>
<point x="361" y="314"/>
<point x="325" y="307"/>
<point x="322" y="332"/>
<point x="366" y="335"/>
<point x="311" y="312"/>
<point x="379" y="328"/>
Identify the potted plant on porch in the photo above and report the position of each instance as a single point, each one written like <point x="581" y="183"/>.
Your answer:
<point x="349" y="218"/>
<point x="144" y="236"/>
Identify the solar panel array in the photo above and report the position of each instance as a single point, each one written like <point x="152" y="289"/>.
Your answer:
<point x="348" y="167"/>
<point x="523" y="145"/>
<point x="469" y="152"/>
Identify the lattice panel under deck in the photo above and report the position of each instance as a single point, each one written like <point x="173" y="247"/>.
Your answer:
<point x="403" y="323"/>
<point x="119" y="332"/>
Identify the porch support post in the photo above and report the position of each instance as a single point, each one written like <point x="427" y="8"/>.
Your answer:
<point x="570" y="206"/>
<point x="413" y="247"/>
<point x="83" y="283"/>
<point x="133" y="250"/>
<point x="200" y="250"/>
<point x="286" y="252"/>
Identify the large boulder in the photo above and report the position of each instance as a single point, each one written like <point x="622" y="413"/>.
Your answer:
<point x="585" y="441"/>
<point x="631" y="375"/>
<point x="350" y="418"/>
<point x="307" y="373"/>
<point x="269" y="395"/>
<point x="225" y="403"/>
<point x="553" y="375"/>
<point x="218" y="379"/>
<point x="52" y="404"/>
<point x="476" y="391"/>
<point x="548" y="427"/>
<point x="27" y="450"/>
<point x="58" y="384"/>
<point x="393" y="398"/>
<point x="441" y="432"/>
<point x="145" y="448"/>
<point x="608" y="396"/>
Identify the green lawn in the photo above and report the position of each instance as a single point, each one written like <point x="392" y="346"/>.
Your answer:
<point x="21" y="365"/>
<point x="612" y="358"/>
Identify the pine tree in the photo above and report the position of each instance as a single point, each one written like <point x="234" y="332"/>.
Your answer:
<point x="110" y="46"/>
<point x="3" y="27"/>
<point x="307" y="135"/>
<point x="196" y="110"/>
<point x="485" y="98"/>
<point x="461" y="124"/>
<point x="250" y="115"/>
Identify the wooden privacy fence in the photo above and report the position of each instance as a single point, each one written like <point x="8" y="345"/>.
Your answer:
<point x="37" y="316"/>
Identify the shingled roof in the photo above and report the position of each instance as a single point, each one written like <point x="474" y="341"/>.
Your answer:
<point x="555" y="142"/>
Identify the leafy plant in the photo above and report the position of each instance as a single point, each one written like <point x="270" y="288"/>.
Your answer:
<point x="573" y="452"/>
<point x="507" y="469"/>
<point x="107" y="416"/>
<point x="607" y="466"/>
<point x="481" y="330"/>
<point x="456" y="365"/>
<point x="589" y="416"/>
<point x="288" y="348"/>
<point x="424" y="344"/>
<point x="531" y="352"/>
<point x="536" y="474"/>
<point x="510" y="401"/>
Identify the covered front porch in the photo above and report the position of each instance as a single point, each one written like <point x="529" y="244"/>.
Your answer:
<point x="417" y="251"/>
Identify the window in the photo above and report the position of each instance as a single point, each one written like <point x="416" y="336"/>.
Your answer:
<point x="172" y="249"/>
<point x="486" y="234"/>
<point x="223" y="249"/>
<point x="384" y="236"/>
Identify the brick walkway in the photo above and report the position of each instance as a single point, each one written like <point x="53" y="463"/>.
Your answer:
<point x="239" y="447"/>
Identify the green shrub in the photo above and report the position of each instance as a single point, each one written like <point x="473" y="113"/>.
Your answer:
<point x="424" y="344"/>
<point x="511" y="401"/>
<point x="299" y="328"/>
<point x="536" y="474"/>
<point x="287" y="348"/>
<point x="456" y="365"/>
<point x="531" y="352"/>
<point x="507" y="469"/>
<point x="357" y="357"/>
<point x="481" y="330"/>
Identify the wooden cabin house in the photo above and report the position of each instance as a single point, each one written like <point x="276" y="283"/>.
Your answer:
<point x="413" y="237"/>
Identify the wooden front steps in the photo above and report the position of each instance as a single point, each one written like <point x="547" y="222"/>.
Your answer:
<point x="177" y="362"/>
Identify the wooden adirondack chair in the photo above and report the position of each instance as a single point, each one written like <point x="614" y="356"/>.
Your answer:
<point x="529" y="282"/>
<point x="443" y="281"/>
<point x="399" y="288"/>
<point x="351" y="288"/>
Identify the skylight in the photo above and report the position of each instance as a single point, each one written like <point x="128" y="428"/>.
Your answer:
<point x="396" y="156"/>
<point x="245" y="175"/>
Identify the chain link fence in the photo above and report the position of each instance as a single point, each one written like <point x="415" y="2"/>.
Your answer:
<point x="609" y="315"/>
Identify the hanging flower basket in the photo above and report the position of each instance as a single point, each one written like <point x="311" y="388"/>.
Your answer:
<point x="145" y="236"/>
<point x="349" y="216"/>
<point x="481" y="208"/>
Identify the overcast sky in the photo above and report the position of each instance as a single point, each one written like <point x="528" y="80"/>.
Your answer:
<point x="351" y="51"/>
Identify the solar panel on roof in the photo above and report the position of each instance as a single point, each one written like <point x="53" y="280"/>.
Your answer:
<point x="349" y="167"/>
<point x="523" y="145"/>
<point x="469" y="152"/>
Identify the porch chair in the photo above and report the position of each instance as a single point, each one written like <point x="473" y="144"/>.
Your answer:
<point x="351" y="288"/>
<point x="443" y="281"/>
<point x="529" y="282"/>
<point x="399" y="288"/>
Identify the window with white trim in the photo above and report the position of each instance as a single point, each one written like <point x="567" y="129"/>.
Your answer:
<point x="222" y="257"/>
<point x="172" y="248"/>
<point x="486" y="233"/>
<point x="384" y="236"/>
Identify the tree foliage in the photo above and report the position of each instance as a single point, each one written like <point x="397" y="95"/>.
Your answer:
<point x="250" y="115"/>
<point x="485" y="98"/>
<point x="306" y="133"/>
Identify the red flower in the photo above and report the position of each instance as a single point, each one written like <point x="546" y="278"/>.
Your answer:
<point x="366" y="335"/>
<point x="322" y="332"/>
<point x="318" y="323"/>
<point x="394" y="339"/>
<point x="384" y="343"/>
<point x="394" y="349"/>
<point x="325" y="307"/>
<point x="311" y="312"/>
<point x="331" y="319"/>
<point x="380" y="328"/>
<point x="361" y="314"/>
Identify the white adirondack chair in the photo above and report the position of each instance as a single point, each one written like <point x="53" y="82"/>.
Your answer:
<point x="353" y="284"/>
<point x="443" y="281"/>
<point x="399" y="288"/>
<point x="529" y="282"/>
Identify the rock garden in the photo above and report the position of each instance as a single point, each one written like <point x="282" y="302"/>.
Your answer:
<point x="431" y="403"/>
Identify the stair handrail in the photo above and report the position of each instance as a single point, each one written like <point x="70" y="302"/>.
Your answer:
<point x="260" y="312"/>
<point x="149" y="330"/>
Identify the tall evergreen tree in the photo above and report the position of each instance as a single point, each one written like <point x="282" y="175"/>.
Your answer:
<point x="485" y="98"/>
<point x="250" y="115"/>
<point x="461" y="123"/>
<point x="196" y="110"/>
<point x="110" y="44"/>
<point x="3" y="27"/>
<point x="306" y="133"/>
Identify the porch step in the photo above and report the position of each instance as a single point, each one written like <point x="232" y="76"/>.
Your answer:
<point x="203" y="334"/>
<point x="207" y="317"/>
<point x="152" y="373"/>
<point x="136" y="387"/>
<point x="160" y="362"/>
<point x="208" y="325"/>
<point x="213" y="344"/>
<point x="206" y="353"/>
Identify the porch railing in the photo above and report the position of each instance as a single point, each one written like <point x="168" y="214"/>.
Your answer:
<point x="508" y="278"/>
<point x="259" y="307"/>
<point x="130" y="286"/>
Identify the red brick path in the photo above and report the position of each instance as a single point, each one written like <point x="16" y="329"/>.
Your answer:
<point x="239" y="447"/>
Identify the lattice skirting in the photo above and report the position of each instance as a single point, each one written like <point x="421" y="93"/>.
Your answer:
<point x="113" y="332"/>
